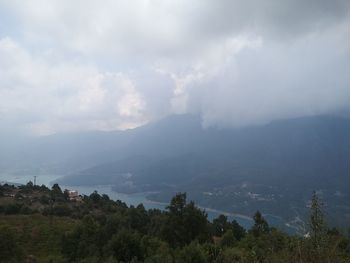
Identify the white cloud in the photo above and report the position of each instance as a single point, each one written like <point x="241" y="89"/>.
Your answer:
<point x="77" y="65"/>
<point x="66" y="96"/>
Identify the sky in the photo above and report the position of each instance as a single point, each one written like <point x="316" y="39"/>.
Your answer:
<point x="78" y="65"/>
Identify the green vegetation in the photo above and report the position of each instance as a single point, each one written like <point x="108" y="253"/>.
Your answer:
<point x="38" y="224"/>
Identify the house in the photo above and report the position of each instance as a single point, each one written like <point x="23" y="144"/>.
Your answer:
<point x="73" y="195"/>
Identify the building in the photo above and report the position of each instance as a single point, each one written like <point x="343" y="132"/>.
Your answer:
<point x="74" y="196"/>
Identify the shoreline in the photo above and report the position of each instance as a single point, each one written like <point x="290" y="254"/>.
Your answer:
<point x="149" y="201"/>
<point x="225" y="213"/>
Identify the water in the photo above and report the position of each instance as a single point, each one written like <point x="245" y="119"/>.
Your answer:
<point x="138" y="198"/>
<point x="129" y="199"/>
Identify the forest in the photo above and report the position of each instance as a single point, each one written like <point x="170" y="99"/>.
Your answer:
<point x="41" y="224"/>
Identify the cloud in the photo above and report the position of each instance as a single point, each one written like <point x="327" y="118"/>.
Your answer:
<point x="49" y="97"/>
<point x="82" y="65"/>
<point x="276" y="82"/>
<point x="155" y="27"/>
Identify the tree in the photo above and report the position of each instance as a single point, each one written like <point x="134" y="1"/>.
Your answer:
<point x="193" y="253"/>
<point x="30" y="184"/>
<point x="124" y="246"/>
<point x="136" y="218"/>
<point x="57" y="194"/>
<point x="185" y="222"/>
<point x="105" y="197"/>
<point x="177" y="204"/>
<point x="174" y="230"/>
<point x="220" y="225"/>
<point x="260" y="225"/>
<point x="317" y="223"/>
<point x="82" y="241"/>
<point x="238" y="231"/>
<point x="155" y="250"/>
<point x="196" y="224"/>
<point x="228" y="239"/>
<point x="95" y="197"/>
<point x="56" y="189"/>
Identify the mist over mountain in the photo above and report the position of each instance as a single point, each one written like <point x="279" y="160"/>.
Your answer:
<point x="273" y="167"/>
<point x="175" y="131"/>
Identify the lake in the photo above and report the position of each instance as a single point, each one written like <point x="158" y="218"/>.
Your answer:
<point x="138" y="198"/>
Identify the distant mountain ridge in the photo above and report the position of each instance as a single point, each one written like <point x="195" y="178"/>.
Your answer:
<point x="273" y="167"/>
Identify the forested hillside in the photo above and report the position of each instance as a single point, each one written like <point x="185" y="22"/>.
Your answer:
<point x="273" y="167"/>
<point x="38" y="224"/>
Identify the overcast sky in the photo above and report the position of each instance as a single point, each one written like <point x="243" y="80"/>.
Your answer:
<point x="113" y="64"/>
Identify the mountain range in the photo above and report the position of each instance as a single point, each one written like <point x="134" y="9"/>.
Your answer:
<point x="273" y="167"/>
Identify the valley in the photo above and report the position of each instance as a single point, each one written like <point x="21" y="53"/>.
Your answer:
<point x="273" y="167"/>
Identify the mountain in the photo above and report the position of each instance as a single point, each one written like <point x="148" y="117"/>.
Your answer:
<point x="273" y="167"/>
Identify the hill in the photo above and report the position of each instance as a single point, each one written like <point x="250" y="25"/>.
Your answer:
<point x="273" y="167"/>
<point x="38" y="224"/>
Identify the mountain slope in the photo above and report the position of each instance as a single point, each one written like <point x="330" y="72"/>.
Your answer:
<point x="273" y="167"/>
